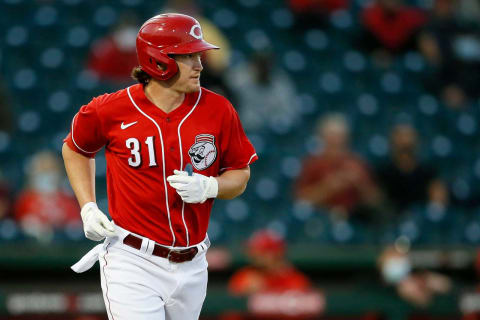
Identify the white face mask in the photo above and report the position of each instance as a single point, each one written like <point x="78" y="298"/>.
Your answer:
<point x="125" y="38"/>
<point x="396" y="269"/>
<point x="46" y="182"/>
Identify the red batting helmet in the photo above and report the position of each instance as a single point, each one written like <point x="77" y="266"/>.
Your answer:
<point x="165" y="34"/>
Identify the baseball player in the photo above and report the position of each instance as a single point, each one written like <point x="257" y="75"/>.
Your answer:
<point x="155" y="133"/>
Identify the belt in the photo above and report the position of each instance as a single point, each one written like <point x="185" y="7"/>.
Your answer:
<point x="161" y="251"/>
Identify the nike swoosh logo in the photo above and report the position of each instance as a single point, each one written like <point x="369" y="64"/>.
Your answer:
<point x="125" y="126"/>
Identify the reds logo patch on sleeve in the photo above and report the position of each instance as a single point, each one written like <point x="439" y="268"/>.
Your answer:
<point x="203" y="152"/>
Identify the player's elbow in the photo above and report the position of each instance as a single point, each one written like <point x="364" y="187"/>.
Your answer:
<point x="245" y="176"/>
<point x="241" y="189"/>
<point x="233" y="193"/>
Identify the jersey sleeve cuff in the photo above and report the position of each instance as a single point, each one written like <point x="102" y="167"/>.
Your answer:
<point x="72" y="146"/>
<point x="241" y="165"/>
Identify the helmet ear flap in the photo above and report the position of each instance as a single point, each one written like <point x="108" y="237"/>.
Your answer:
<point x="159" y="65"/>
<point x="167" y="67"/>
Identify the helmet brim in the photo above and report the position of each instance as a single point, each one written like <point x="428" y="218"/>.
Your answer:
<point x="190" y="47"/>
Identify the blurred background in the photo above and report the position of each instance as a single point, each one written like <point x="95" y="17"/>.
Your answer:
<point x="365" y="202"/>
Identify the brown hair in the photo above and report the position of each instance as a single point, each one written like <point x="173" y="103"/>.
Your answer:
<point x="140" y="75"/>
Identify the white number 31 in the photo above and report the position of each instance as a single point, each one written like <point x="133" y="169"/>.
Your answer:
<point x="136" y="159"/>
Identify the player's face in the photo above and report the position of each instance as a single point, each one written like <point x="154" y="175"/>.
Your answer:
<point x="189" y="69"/>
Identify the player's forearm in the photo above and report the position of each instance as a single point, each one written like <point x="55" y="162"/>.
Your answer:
<point x="81" y="173"/>
<point x="232" y="183"/>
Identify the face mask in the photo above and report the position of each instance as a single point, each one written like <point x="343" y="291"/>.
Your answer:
<point x="45" y="182"/>
<point x="396" y="269"/>
<point x="125" y="38"/>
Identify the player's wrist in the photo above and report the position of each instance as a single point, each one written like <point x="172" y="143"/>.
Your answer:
<point x="90" y="204"/>
<point x="212" y="188"/>
<point x="87" y="210"/>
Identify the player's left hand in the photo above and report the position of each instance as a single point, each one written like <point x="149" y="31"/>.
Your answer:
<point x="196" y="188"/>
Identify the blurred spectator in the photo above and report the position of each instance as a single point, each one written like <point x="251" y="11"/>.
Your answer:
<point x="417" y="287"/>
<point x="310" y="14"/>
<point x="270" y="271"/>
<point x="451" y="46"/>
<point x="406" y="180"/>
<point x="390" y="27"/>
<point x="336" y="178"/>
<point x="266" y="94"/>
<point x="274" y="287"/>
<point x="114" y="56"/>
<point x="43" y="207"/>
<point x="215" y="62"/>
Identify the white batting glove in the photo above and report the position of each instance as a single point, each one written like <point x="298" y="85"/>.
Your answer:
<point x="95" y="223"/>
<point x="196" y="188"/>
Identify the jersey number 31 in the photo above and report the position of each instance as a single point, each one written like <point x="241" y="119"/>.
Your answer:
<point x="136" y="159"/>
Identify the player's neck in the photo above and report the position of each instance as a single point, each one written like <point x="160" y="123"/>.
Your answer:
<point x="163" y="97"/>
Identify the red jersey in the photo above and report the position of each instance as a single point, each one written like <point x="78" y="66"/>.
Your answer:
<point x="56" y="209"/>
<point x="112" y="63"/>
<point x="143" y="145"/>
<point x="250" y="278"/>
<point x="393" y="29"/>
<point x="321" y="169"/>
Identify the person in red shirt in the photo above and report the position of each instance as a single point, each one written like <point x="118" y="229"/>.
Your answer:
<point x="270" y="271"/>
<point x="336" y="179"/>
<point x="390" y="26"/>
<point x="274" y="287"/>
<point x="114" y="56"/>
<point x="43" y="207"/>
<point x="171" y="148"/>
<point x="311" y="14"/>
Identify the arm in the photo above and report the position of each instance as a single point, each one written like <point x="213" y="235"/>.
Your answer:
<point x="233" y="183"/>
<point x="316" y="185"/>
<point x="81" y="173"/>
<point x="198" y="188"/>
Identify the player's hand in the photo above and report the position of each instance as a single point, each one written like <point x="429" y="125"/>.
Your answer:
<point x="196" y="188"/>
<point x="95" y="223"/>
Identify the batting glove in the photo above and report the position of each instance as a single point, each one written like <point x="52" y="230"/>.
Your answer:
<point x="95" y="223"/>
<point x="196" y="188"/>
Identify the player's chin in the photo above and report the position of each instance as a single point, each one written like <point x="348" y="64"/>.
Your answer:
<point x="193" y="86"/>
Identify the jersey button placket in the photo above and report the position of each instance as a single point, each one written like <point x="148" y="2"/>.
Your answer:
<point x="168" y="120"/>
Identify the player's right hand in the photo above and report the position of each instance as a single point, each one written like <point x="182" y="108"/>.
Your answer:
<point x="95" y="223"/>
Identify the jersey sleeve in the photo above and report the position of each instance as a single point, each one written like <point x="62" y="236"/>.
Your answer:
<point x="86" y="136"/>
<point x="236" y="150"/>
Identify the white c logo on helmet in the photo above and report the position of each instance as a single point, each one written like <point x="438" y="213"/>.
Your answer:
<point x="196" y="34"/>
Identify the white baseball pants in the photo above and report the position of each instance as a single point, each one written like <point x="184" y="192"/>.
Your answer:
<point x="139" y="286"/>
